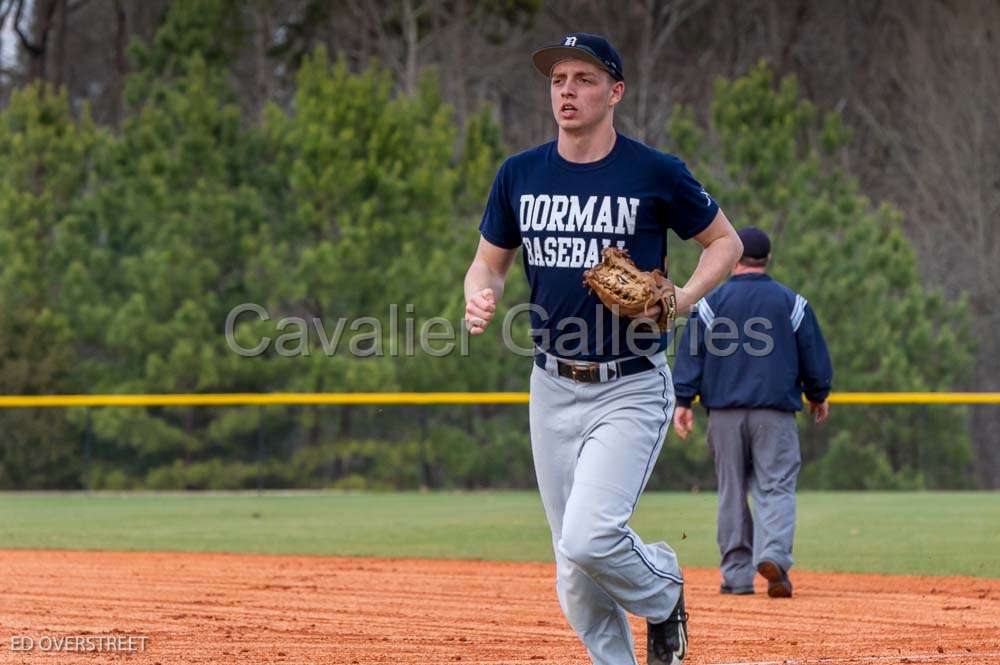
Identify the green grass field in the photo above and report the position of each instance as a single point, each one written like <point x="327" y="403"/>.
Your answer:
<point x="906" y="533"/>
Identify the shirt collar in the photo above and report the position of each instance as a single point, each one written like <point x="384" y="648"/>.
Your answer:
<point x="751" y="276"/>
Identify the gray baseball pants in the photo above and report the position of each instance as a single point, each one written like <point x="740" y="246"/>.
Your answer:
<point x="755" y="450"/>
<point x="594" y="446"/>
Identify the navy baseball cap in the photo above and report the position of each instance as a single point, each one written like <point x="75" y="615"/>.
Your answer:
<point x="756" y="244"/>
<point x="580" y="46"/>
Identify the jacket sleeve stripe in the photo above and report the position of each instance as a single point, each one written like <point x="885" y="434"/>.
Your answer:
<point x="705" y="313"/>
<point x="798" y="312"/>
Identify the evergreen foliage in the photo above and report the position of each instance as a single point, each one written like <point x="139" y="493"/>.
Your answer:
<point x="344" y="216"/>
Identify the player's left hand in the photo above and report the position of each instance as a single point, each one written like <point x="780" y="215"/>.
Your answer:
<point x="684" y="305"/>
<point x="820" y="410"/>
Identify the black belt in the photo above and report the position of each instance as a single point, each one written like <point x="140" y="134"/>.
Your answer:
<point x="590" y="372"/>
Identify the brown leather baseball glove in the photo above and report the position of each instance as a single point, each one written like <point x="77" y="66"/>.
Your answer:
<point x="624" y="288"/>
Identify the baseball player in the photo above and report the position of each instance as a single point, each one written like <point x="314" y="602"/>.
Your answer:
<point x="751" y="348"/>
<point x="601" y="397"/>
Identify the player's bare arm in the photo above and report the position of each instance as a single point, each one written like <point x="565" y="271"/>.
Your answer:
<point x="722" y="249"/>
<point x="484" y="283"/>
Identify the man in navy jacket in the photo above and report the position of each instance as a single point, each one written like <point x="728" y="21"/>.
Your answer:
<point x="751" y="348"/>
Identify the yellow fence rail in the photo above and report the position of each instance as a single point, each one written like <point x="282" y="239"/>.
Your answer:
<point x="240" y="399"/>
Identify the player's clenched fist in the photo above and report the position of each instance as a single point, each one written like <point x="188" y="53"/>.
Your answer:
<point x="479" y="311"/>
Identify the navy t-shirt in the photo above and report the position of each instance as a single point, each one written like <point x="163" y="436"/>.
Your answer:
<point x="563" y="214"/>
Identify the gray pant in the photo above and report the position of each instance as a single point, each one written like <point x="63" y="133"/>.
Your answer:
<point x="594" y="446"/>
<point x="755" y="450"/>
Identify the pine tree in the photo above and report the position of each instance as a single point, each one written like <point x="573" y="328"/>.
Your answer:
<point x="45" y="154"/>
<point x="167" y="225"/>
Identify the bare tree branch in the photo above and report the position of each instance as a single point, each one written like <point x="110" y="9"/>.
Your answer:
<point x="25" y="42"/>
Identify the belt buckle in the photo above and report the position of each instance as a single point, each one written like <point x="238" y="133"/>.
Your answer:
<point x="585" y="372"/>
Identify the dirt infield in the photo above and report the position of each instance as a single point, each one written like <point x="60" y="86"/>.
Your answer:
<point x="221" y="608"/>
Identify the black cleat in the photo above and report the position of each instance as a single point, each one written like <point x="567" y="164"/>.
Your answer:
<point x="778" y="584"/>
<point x="727" y="590"/>
<point x="666" y="642"/>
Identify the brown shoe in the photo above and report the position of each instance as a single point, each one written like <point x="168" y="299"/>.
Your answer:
<point x="778" y="584"/>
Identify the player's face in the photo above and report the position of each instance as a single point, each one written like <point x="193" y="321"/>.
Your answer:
<point x="582" y="94"/>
